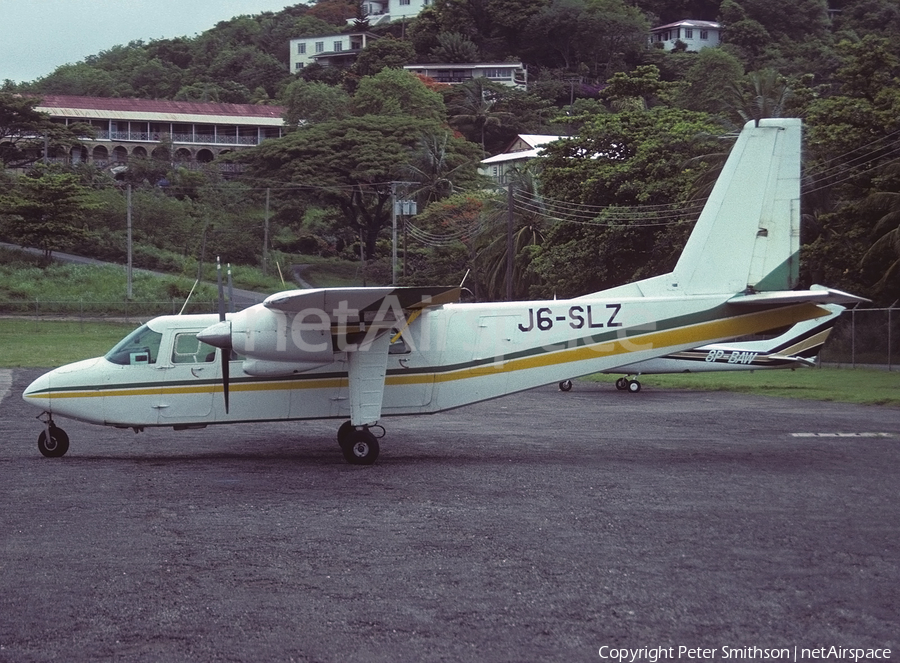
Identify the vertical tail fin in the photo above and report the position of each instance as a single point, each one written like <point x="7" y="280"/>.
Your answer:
<point x="747" y="238"/>
<point x="754" y="203"/>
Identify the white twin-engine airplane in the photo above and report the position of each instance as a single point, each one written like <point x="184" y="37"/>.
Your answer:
<point x="798" y="346"/>
<point x="361" y="354"/>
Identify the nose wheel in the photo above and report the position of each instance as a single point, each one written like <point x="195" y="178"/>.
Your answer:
<point x="359" y="445"/>
<point x="53" y="442"/>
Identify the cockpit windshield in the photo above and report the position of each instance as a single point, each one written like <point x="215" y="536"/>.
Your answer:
<point x="140" y="347"/>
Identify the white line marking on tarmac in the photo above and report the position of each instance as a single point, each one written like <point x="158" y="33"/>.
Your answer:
<point x="5" y="382"/>
<point x="842" y="435"/>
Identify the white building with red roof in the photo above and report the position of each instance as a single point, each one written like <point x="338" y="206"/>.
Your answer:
<point x="195" y="132"/>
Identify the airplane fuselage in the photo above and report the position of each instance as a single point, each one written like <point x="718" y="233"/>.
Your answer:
<point x="447" y="357"/>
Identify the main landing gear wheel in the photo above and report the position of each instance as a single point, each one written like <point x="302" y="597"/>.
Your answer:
<point x="565" y="385"/>
<point x="634" y="386"/>
<point x="622" y="384"/>
<point x="359" y="446"/>
<point x="54" y="446"/>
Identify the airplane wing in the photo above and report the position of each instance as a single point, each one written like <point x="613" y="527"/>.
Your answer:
<point x="355" y="321"/>
<point x="361" y="299"/>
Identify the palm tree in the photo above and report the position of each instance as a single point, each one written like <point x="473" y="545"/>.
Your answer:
<point x="475" y="107"/>
<point x="436" y="169"/>
<point x="766" y="97"/>
<point x="887" y="228"/>
<point x="492" y="257"/>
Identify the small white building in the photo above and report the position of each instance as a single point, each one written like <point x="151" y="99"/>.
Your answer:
<point x="328" y="50"/>
<point x="378" y="12"/>
<point x="513" y="74"/>
<point x="694" y="34"/>
<point x="521" y="150"/>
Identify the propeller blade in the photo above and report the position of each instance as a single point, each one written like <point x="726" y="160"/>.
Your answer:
<point x="226" y="357"/>
<point x="221" y="290"/>
<point x="230" y="291"/>
<point x="223" y="342"/>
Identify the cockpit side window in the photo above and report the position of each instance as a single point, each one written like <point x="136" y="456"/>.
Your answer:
<point x="140" y="347"/>
<point x="189" y="350"/>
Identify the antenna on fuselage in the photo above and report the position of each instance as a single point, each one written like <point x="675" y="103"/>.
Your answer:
<point x="184" y="306"/>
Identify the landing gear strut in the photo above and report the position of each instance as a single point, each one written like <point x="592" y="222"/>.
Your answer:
<point x="358" y="444"/>
<point x="53" y="441"/>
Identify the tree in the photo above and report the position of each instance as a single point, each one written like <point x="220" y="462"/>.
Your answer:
<point x="24" y="130"/>
<point x="454" y="47"/>
<point x="46" y="210"/>
<point x="643" y="85"/>
<point x="707" y="80"/>
<point x="473" y="106"/>
<point x="886" y="233"/>
<point x="383" y="53"/>
<point x="308" y="102"/>
<point x="397" y="92"/>
<point x="764" y="94"/>
<point x="441" y="165"/>
<point x="632" y="159"/>
<point x="349" y="164"/>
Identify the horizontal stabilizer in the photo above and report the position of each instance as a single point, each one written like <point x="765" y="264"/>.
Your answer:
<point x="815" y="295"/>
<point x="804" y="361"/>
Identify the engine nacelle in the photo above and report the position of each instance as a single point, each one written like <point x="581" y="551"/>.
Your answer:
<point x="269" y="335"/>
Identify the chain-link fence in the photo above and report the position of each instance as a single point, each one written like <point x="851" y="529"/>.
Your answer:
<point x="865" y="337"/>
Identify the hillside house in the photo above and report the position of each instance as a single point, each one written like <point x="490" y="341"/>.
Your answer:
<point x="695" y="35"/>
<point x="379" y="12"/>
<point x="524" y="148"/>
<point x="512" y="74"/>
<point x="328" y="50"/>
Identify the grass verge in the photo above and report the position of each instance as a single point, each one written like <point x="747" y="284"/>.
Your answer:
<point x="33" y="343"/>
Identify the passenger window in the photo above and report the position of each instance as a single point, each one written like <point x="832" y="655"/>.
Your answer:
<point x="189" y="350"/>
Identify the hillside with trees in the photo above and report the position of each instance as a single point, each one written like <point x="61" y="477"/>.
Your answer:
<point x="662" y="121"/>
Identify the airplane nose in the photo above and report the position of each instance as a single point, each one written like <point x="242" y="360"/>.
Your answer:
<point x="38" y="393"/>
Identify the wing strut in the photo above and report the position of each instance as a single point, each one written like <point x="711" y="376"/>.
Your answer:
<point x="367" y="367"/>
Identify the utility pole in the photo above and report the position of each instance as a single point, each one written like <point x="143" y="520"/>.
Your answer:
<point x="265" y="261"/>
<point x="509" y="243"/>
<point x="393" y="233"/>
<point x="129" y="271"/>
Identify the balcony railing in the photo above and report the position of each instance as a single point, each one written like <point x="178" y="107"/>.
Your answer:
<point x="201" y="139"/>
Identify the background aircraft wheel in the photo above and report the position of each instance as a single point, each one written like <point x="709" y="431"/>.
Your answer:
<point x="565" y="385"/>
<point x="622" y="384"/>
<point x="360" y="447"/>
<point x="56" y="446"/>
<point x="634" y="386"/>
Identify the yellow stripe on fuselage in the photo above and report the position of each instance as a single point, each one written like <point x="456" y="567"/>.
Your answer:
<point x="696" y="334"/>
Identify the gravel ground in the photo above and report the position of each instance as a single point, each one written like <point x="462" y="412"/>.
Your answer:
<point x="543" y="526"/>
